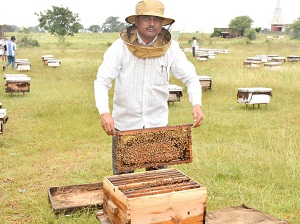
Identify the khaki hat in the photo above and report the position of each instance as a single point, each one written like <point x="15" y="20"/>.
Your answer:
<point x="150" y="8"/>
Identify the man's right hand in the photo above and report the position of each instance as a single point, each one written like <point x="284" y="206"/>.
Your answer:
<point x="107" y="123"/>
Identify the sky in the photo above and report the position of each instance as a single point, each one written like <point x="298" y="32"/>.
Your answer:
<point x="189" y="15"/>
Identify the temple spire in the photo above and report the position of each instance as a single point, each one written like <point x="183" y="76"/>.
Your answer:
<point x="277" y="16"/>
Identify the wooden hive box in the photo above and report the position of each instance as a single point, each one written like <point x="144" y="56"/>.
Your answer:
<point x="270" y="56"/>
<point x="251" y="64"/>
<point x="17" y="83"/>
<point x="256" y="58"/>
<point x="152" y="147"/>
<point x="293" y="58"/>
<point x="278" y="59"/>
<point x="205" y="82"/>
<point x="263" y="57"/>
<point x="274" y="65"/>
<point x="254" y="95"/>
<point x="53" y="63"/>
<point x="202" y="57"/>
<point x="2" y="113"/>
<point x="23" y="65"/>
<point x="162" y="196"/>
<point x="175" y="92"/>
<point x="3" y="118"/>
<point x="47" y="57"/>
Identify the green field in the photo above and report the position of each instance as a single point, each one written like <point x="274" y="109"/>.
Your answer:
<point x="53" y="136"/>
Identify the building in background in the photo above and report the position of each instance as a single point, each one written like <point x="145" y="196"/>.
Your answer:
<point x="277" y="24"/>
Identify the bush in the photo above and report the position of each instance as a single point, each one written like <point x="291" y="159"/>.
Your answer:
<point x="28" y="42"/>
<point x="251" y="34"/>
<point x="216" y="33"/>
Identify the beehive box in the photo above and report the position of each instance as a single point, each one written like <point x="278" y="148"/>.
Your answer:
<point x="17" y="84"/>
<point x="205" y="82"/>
<point x="278" y="59"/>
<point x="23" y="65"/>
<point x="152" y="147"/>
<point x="3" y="118"/>
<point x="175" y="92"/>
<point x="162" y="196"/>
<point x="251" y="64"/>
<point x="53" y="63"/>
<point x="254" y="95"/>
<point x="273" y="65"/>
<point x="47" y="57"/>
<point x="293" y="58"/>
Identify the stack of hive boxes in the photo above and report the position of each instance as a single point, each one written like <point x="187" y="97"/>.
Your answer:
<point x="50" y="61"/>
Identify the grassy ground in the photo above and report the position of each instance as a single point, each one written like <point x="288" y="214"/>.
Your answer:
<point x="241" y="155"/>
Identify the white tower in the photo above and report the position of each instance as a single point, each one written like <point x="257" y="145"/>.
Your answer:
<point x="277" y="24"/>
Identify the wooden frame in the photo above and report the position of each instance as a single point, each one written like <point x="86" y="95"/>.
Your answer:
<point x="152" y="147"/>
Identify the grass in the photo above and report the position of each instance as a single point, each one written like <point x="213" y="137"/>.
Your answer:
<point x="241" y="155"/>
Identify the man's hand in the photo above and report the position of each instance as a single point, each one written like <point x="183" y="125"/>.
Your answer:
<point x="107" y="123"/>
<point x="198" y="115"/>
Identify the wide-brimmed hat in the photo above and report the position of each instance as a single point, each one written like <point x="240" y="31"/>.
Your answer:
<point x="150" y="8"/>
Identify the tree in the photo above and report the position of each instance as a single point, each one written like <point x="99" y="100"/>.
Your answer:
<point x="294" y="29"/>
<point x="94" y="28"/>
<point x="112" y="25"/>
<point x="60" y="22"/>
<point x="240" y="24"/>
<point x="10" y="28"/>
<point x="258" y="29"/>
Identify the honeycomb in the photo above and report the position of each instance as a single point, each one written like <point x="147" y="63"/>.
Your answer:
<point x="152" y="147"/>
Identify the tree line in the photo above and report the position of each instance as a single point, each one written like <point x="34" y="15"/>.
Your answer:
<point x="62" y="22"/>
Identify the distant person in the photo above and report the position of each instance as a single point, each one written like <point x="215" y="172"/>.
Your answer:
<point x="11" y="52"/>
<point x="4" y="48"/>
<point x="194" y="46"/>
<point x="140" y="62"/>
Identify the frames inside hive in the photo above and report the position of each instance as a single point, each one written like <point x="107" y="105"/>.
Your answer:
<point x="152" y="147"/>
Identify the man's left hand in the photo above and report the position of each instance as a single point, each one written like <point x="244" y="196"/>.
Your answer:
<point x="198" y="116"/>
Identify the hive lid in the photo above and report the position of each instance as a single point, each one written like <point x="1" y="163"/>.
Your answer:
<point x="204" y="77"/>
<point x="67" y="199"/>
<point x="2" y="112"/>
<point x="152" y="147"/>
<point x="5" y="76"/>
<point x="18" y="79"/>
<point x="255" y="89"/>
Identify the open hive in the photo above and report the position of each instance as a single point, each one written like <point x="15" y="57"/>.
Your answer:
<point x="152" y="147"/>
<point x="161" y="196"/>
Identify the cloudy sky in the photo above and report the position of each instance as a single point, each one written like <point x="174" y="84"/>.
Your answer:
<point x="189" y="15"/>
